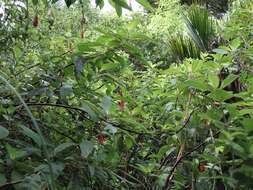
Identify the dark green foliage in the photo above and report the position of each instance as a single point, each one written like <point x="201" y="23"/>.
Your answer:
<point x="216" y="7"/>
<point x="200" y="26"/>
<point x="183" y="47"/>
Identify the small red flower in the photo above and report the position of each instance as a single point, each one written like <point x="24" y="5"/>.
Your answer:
<point x="201" y="167"/>
<point x="101" y="138"/>
<point x="121" y="105"/>
<point x="35" y="21"/>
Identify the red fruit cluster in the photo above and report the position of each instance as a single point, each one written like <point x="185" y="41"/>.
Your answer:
<point x="35" y="21"/>
<point x="201" y="167"/>
<point x="101" y="138"/>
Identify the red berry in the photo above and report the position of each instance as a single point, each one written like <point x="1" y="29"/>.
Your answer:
<point x="101" y="138"/>
<point x="36" y="21"/>
<point x="121" y="105"/>
<point x="201" y="167"/>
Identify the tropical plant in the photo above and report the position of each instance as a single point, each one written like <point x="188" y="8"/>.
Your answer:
<point x="200" y="26"/>
<point x="183" y="47"/>
<point x="98" y="113"/>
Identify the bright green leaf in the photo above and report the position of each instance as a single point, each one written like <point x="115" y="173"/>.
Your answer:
<point x="200" y="85"/>
<point x="214" y="80"/>
<point x="229" y="80"/>
<point x="145" y="4"/>
<point x="220" y="95"/>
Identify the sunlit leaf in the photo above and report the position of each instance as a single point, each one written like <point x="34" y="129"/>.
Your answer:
<point x="220" y="95"/>
<point x="229" y="80"/>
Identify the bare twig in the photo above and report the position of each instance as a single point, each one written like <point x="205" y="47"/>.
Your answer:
<point x="9" y="184"/>
<point x="179" y="160"/>
<point x="84" y="113"/>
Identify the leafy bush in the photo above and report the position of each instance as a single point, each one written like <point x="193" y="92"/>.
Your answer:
<point x="79" y="113"/>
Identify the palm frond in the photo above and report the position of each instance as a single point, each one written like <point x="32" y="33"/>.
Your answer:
<point x="200" y="26"/>
<point x="183" y="47"/>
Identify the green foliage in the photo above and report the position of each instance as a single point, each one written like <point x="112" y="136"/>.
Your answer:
<point x="166" y="20"/>
<point x="183" y="47"/>
<point x="98" y="112"/>
<point x="200" y="26"/>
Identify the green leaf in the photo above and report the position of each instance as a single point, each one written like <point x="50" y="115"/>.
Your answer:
<point x="2" y="179"/>
<point x="145" y="4"/>
<point x="228" y="80"/>
<point x="129" y="141"/>
<point x="100" y="3"/>
<point x="3" y="132"/>
<point x="239" y="150"/>
<point x="247" y="123"/>
<point x="235" y="44"/>
<point x="63" y="146"/>
<point x="31" y="134"/>
<point x="251" y="149"/>
<point x="118" y="9"/>
<point x="133" y="124"/>
<point x="15" y="153"/>
<point x="166" y="149"/>
<point x="220" y="95"/>
<point x="86" y="46"/>
<point x="66" y="90"/>
<point x="87" y="108"/>
<point x="197" y="84"/>
<point x="35" y="2"/>
<point x="123" y="4"/>
<point x="214" y="80"/>
<point x="86" y="148"/>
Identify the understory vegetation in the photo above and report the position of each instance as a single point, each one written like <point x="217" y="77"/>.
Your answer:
<point x="157" y="99"/>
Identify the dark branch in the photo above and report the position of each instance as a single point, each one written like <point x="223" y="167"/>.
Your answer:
<point x="170" y="176"/>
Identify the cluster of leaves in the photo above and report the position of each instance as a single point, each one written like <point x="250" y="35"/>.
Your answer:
<point x="97" y="113"/>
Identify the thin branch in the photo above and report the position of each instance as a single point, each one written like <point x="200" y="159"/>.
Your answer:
<point x="186" y="121"/>
<point x="26" y="69"/>
<point x="84" y="113"/>
<point x="9" y="184"/>
<point x="170" y="176"/>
